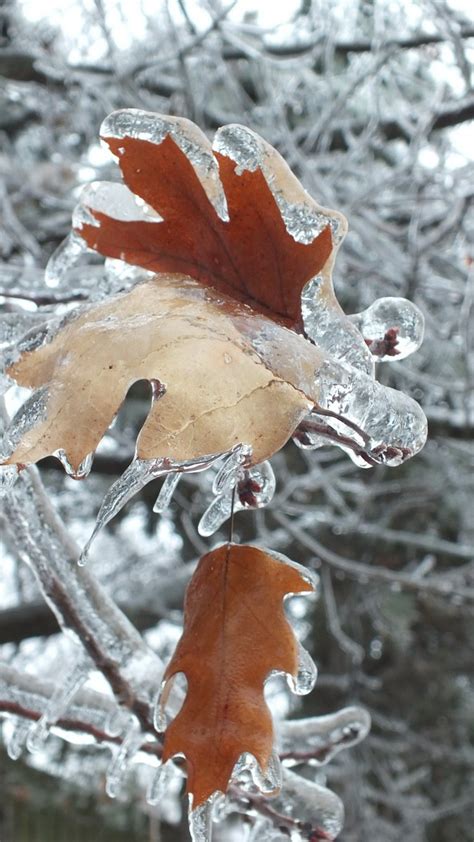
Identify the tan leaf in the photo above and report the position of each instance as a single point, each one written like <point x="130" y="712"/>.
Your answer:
<point x="229" y="376"/>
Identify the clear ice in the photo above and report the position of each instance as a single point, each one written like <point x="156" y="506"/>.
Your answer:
<point x="64" y="258"/>
<point x="167" y="490"/>
<point x="392" y="328"/>
<point x="123" y="755"/>
<point x="319" y="738"/>
<point x="315" y="808"/>
<point x="200" y="819"/>
<point x="246" y="488"/>
<point x="247" y="771"/>
<point x="305" y="679"/>
<point x="58" y="703"/>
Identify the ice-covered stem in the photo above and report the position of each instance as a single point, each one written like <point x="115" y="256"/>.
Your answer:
<point x="27" y="696"/>
<point x="80" y="604"/>
<point x="302" y="807"/>
<point x="319" y="738"/>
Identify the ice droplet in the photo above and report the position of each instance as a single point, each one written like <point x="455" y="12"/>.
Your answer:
<point x="392" y="328"/>
<point x="58" y="703"/>
<point x="82" y="471"/>
<point x="215" y="515"/>
<point x="125" y="753"/>
<point x="305" y="679"/>
<point x="166" y="492"/>
<point x="64" y="258"/>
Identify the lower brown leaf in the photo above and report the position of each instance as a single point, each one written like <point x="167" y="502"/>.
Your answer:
<point x="235" y="635"/>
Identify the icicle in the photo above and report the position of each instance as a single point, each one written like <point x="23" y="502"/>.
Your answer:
<point x="323" y="736"/>
<point x="64" y="258"/>
<point x="200" y="819"/>
<point x="82" y="471"/>
<point x="117" y="770"/>
<point x="159" y="783"/>
<point x="58" y="703"/>
<point x="166" y="492"/>
<point x="8" y="478"/>
<point x="15" y="739"/>
<point x="160" y="719"/>
<point x="305" y="679"/>
<point x="138" y="474"/>
<point x="215" y="515"/>
<point x="392" y="328"/>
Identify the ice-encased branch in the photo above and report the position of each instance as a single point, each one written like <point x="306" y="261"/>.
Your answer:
<point x="81" y="605"/>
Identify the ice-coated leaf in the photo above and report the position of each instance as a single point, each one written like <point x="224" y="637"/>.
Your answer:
<point x="224" y="375"/>
<point x="246" y="349"/>
<point x="232" y="216"/>
<point x="235" y="635"/>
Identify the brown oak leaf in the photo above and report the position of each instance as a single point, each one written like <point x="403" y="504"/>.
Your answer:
<point x="233" y="217"/>
<point x="235" y="634"/>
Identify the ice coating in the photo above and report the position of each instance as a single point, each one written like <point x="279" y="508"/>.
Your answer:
<point x="318" y="739"/>
<point x="247" y="771"/>
<point x="330" y="329"/>
<point x="67" y="255"/>
<point x="8" y="478"/>
<point x="387" y="425"/>
<point x="15" y="738"/>
<point x="145" y="125"/>
<point x="32" y="412"/>
<point x="392" y="328"/>
<point x="316" y="808"/>
<point x="243" y="488"/>
<point x="304" y="218"/>
<point x="200" y="819"/>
